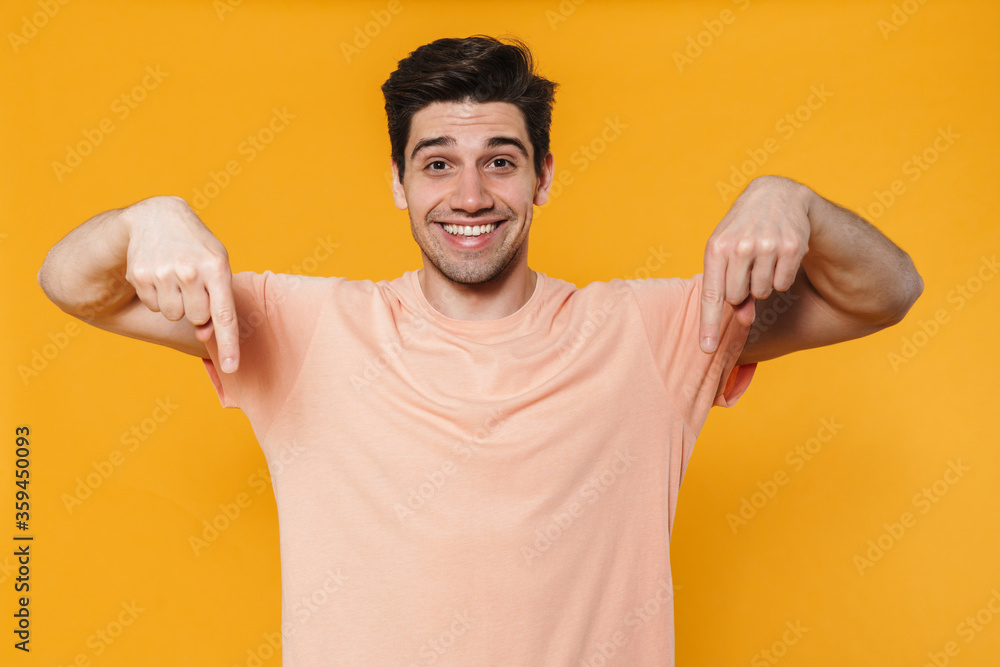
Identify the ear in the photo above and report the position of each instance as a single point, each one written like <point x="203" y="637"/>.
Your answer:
<point x="397" y="188"/>
<point x="545" y="180"/>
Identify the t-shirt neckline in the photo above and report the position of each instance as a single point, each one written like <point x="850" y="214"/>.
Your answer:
<point x="502" y="325"/>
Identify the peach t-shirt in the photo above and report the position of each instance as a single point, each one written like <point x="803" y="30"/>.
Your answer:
<point x="469" y="493"/>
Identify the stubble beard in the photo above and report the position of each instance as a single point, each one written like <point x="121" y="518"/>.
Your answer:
<point x="472" y="271"/>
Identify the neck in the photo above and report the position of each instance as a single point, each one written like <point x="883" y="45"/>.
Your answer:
<point x="493" y="300"/>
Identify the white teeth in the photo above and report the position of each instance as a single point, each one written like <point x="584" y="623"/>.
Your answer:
<point x="462" y="230"/>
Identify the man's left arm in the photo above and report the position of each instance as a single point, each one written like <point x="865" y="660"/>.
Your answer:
<point x="804" y="270"/>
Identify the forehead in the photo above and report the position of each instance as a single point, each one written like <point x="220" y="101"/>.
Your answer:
<point x="469" y="123"/>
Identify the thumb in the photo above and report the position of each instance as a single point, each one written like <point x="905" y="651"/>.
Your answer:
<point x="746" y="312"/>
<point x="203" y="332"/>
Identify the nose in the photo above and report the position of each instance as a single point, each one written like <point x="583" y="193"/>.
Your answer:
<point x="470" y="193"/>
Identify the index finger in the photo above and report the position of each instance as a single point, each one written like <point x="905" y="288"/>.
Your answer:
<point x="227" y="330"/>
<point x="713" y="291"/>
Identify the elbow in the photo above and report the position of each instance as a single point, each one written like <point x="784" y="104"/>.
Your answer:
<point x="43" y="280"/>
<point x="918" y="288"/>
<point x="910" y="287"/>
<point x="49" y="282"/>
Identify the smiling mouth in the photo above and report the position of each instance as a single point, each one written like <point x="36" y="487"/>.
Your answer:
<point x="470" y="230"/>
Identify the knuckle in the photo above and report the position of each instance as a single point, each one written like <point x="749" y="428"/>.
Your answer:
<point x="216" y="265"/>
<point x="745" y="248"/>
<point x="187" y="273"/>
<point x="789" y="246"/>
<point x="197" y="318"/>
<point x="767" y="245"/>
<point x="224" y="316"/>
<point x="218" y="250"/>
<point x="783" y="283"/>
<point x="711" y="296"/>
<point x="717" y="247"/>
<point x="139" y="274"/>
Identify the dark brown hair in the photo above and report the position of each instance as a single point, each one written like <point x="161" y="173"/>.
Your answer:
<point x="478" y="69"/>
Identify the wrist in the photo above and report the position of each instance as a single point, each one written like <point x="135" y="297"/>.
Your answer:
<point x="814" y="205"/>
<point x="146" y="209"/>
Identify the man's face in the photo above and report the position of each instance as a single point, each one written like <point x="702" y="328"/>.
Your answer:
<point x="469" y="169"/>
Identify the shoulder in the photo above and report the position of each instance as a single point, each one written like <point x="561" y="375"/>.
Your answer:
<point x="674" y="294"/>
<point x="275" y="289"/>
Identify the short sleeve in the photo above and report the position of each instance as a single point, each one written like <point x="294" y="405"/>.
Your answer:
<point x="277" y="315"/>
<point x="671" y="312"/>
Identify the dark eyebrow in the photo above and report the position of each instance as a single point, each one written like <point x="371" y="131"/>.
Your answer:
<point x="496" y="142"/>
<point x="493" y="142"/>
<point x="428" y="143"/>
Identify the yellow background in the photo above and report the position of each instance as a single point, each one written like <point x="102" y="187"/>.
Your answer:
<point x="684" y="125"/>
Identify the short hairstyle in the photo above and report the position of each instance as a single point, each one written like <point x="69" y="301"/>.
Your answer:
<point x="478" y="69"/>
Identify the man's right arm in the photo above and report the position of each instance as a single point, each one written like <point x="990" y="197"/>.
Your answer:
<point x="151" y="271"/>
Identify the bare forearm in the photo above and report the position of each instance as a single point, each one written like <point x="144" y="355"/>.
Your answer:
<point x="856" y="268"/>
<point x="84" y="273"/>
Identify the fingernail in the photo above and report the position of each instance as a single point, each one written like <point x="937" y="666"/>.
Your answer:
<point x="706" y="343"/>
<point x="228" y="365"/>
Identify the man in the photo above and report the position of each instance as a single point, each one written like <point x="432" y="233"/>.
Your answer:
<point x="480" y="463"/>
